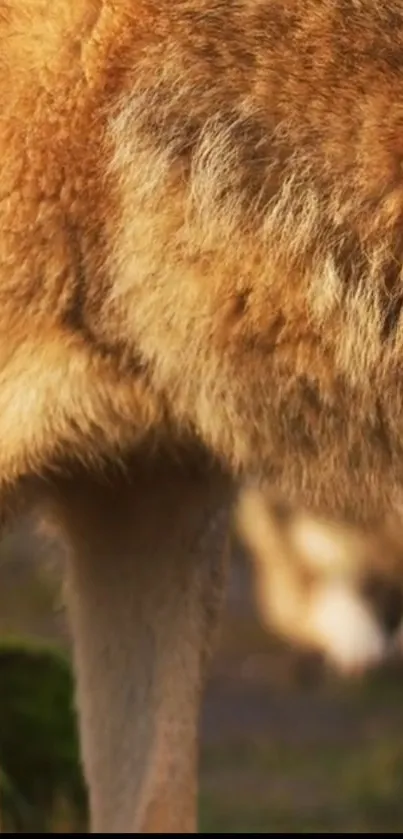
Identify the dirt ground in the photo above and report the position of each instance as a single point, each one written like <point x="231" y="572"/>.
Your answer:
<point x="286" y="745"/>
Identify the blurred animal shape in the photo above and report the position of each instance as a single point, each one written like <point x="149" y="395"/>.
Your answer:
<point x="323" y="584"/>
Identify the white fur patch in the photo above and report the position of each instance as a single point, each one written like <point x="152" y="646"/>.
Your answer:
<point x="347" y="630"/>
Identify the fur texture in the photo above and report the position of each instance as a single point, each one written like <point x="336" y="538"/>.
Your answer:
<point x="201" y="208"/>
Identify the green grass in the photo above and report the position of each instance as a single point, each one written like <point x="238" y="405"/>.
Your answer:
<point x="40" y="776"/>
<point x="318" y="780"/>
<point x="259" y="784"/>
<point x="311" y="788"/>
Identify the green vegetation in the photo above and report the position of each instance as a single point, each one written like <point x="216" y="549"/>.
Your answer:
<point x="303" y="790"/>
<point x="333" y="762"/>
<point x="293" y="784"/>
<point x="40" y="781"/>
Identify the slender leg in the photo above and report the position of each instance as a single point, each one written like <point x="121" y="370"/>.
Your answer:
<point x="145" y="574"/>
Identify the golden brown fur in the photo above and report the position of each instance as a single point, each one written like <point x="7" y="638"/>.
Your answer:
<point x="200" y="244"/>
<point x="200" y="217"/>
<point x="325" y="585"/>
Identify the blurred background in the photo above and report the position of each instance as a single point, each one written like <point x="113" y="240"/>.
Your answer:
<point x="287" y="743"/>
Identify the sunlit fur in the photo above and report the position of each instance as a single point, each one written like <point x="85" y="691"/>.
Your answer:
<point x="200" y="247"/>
<point x="200" y="215"/>
<point x="325" y="586"/>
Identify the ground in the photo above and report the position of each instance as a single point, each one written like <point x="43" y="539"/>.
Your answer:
<point x="286" y="745"/>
